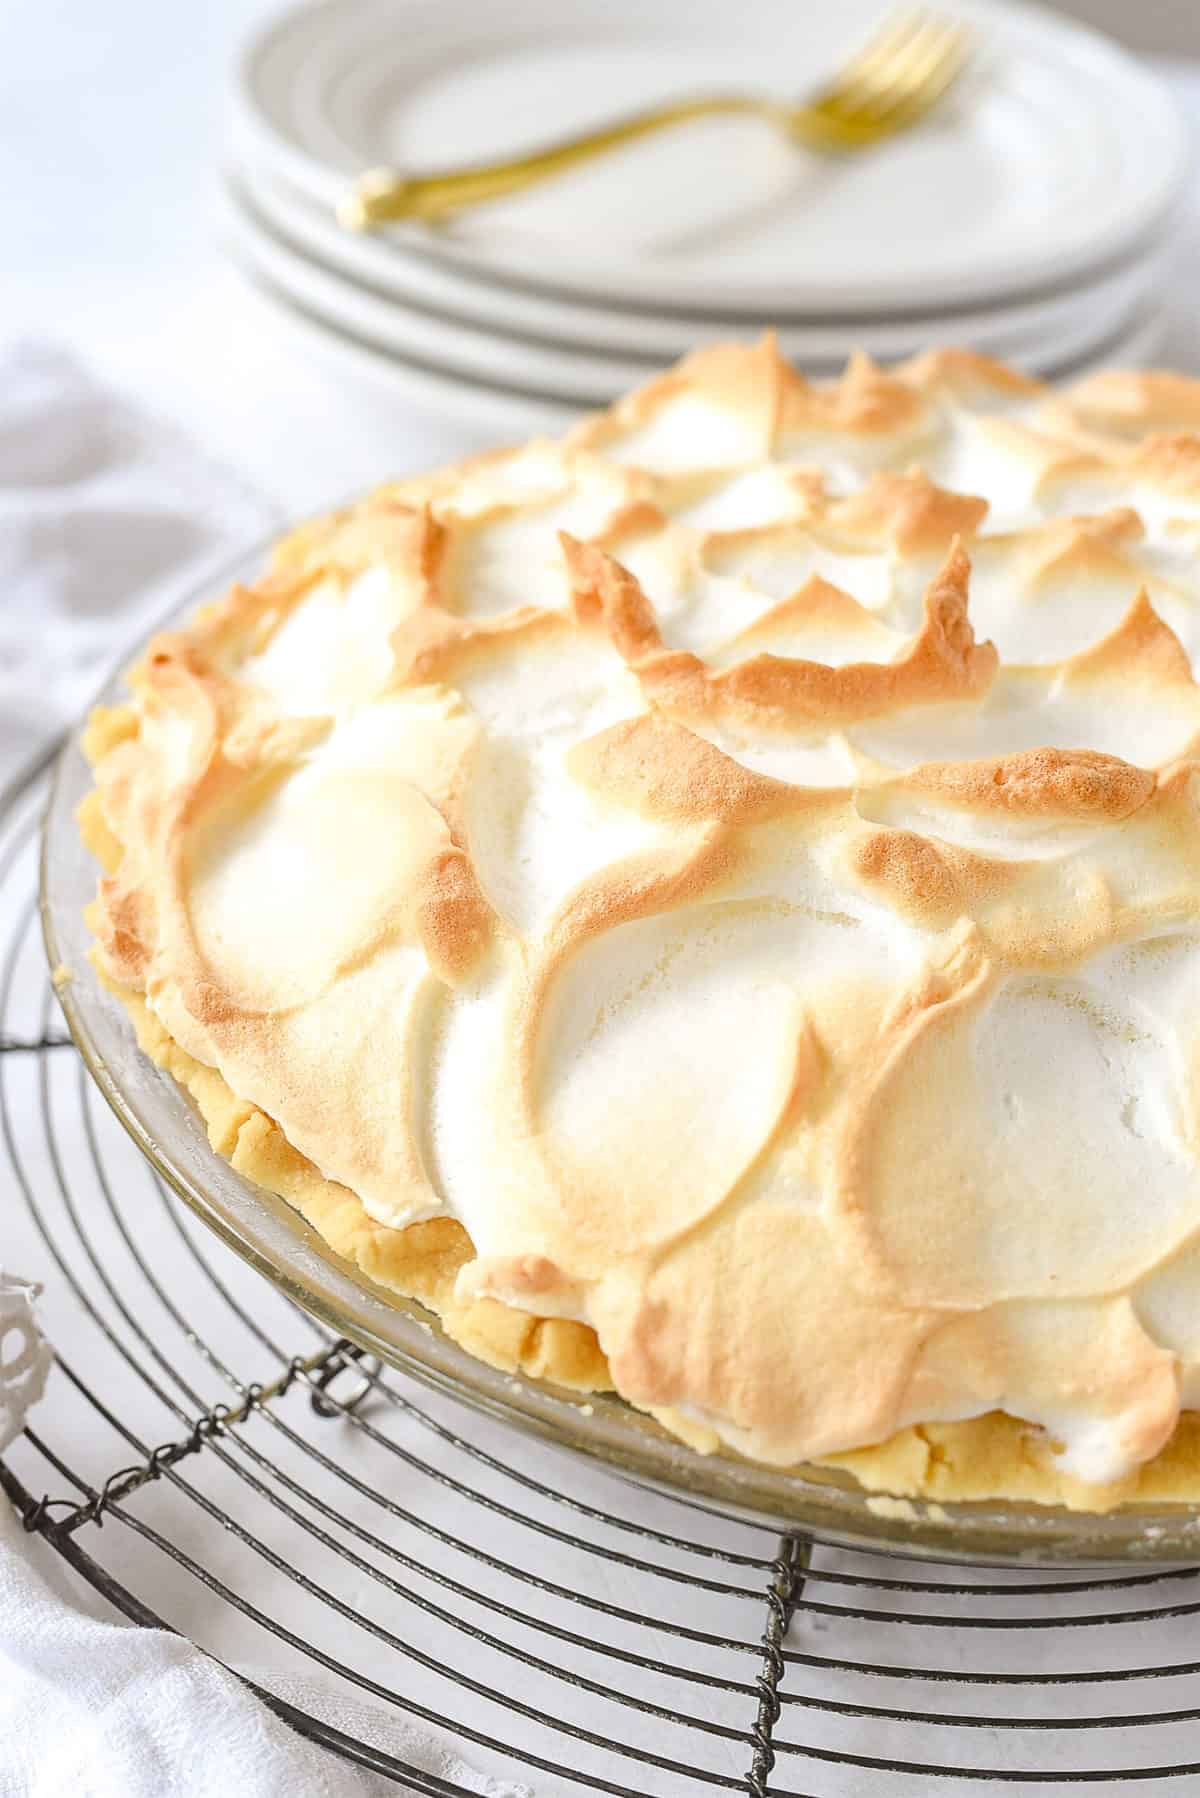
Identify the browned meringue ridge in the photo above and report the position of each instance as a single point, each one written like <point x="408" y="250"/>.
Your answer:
<point x="711" y="905"/>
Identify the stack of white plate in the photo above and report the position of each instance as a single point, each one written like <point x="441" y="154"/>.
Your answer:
<point x="1027" y="218"/>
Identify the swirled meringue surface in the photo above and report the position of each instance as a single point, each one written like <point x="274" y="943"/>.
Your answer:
<point x="743" y="863"/>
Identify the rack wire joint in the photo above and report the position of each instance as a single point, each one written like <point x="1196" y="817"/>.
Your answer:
<point x="783" y="1590"/>
<point x="318" y="1371"/>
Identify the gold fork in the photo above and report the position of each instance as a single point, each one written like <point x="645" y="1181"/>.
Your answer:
<point x="893" y="82"/>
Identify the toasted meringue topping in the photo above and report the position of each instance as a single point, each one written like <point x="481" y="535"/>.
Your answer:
<point x="742" y="862"/>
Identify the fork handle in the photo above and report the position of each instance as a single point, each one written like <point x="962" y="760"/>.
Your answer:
<point x="383" y="197"/>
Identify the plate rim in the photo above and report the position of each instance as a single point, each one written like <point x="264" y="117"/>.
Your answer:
<point x="551" y="369"/>
<point x="527" y="412"/>
<point x="410" y="280"/>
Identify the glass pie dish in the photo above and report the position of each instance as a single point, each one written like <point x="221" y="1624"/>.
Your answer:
<point x="275" y="1239"/>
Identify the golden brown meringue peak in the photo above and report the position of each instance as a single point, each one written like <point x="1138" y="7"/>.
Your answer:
<point x="741" y="862"/>
<point x="978" y="381"/>
<point x="1131" y="404"/>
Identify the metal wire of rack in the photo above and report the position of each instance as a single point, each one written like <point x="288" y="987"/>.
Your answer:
<point x="212" y="1460"/>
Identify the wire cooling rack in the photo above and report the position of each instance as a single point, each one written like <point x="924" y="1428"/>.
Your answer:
<point x="213" y="1460"/>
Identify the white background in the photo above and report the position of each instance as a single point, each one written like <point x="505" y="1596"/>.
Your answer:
<point x="111" y="128"/>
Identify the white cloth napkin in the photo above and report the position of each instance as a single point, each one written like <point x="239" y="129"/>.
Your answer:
<point x="94" y="1709"/>
<point x="104" y="514"/>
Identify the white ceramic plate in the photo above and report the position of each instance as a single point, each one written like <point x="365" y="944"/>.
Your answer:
<point x="511" y="413"/>
<point x="555" y="372"/>
<point x="1059" y="155"/>
<point x="1039" y="333"/>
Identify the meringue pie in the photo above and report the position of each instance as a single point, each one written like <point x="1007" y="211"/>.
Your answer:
<point x="710" y="906"/>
